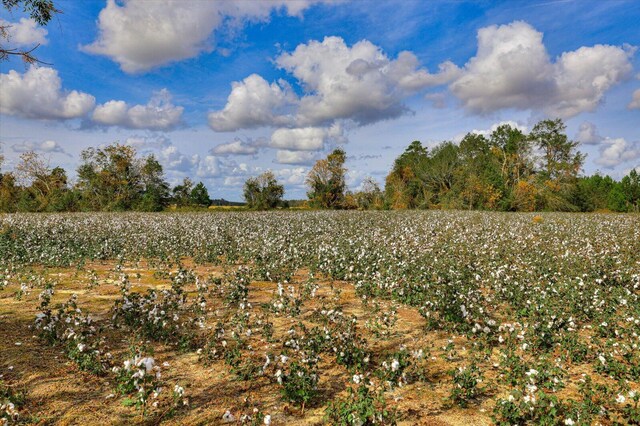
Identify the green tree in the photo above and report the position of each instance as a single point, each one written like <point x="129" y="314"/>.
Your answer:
<point x="560" y="161"/>
<point x="42" y="188"/>
<point x="263" y="192"/>
<point x="370" y="196"/>
<point x="479" y="183"/>
<point x="199" y="196"/>
<point x="156" y="189"/>
<point x="326" y="181"/>
<point x="560" y="164"/>
<point x="404" y="187"/>
<point x="630" y="186"/>
<point x="182" y="193"/>
<point x="8" y="190"/>
<point x="110" y="178"/>
<point x="512" y="149"/>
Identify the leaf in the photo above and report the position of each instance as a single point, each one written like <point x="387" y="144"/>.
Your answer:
<point x="128" y="402"/>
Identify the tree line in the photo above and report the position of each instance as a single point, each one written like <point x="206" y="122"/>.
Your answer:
<point x="507" y="170"/>
<point x="113" y="178"/>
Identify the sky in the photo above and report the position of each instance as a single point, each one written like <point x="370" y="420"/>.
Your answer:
<point x="224" y="90"/>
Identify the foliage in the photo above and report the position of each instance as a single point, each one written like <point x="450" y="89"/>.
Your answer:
<point x="502" y="171"/>
<point x="199" y="195"/>
<point x="326" y="181"/>
<point x="114" y="178"/>
<point x="361" y="406"/>
<point x="11" y="401"/>
<point x="506" y="170"/>
<point x="466" y="385"/>
<point x="263" y="192"/>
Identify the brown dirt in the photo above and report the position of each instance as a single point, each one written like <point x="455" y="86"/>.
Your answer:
<point x="58" y="393"/>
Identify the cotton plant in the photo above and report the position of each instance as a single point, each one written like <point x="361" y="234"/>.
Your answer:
<point x="70" y="327"/>
<point x="139" y="378"/>
<point x="11" y="401"/>
<point x="364" y="404"/>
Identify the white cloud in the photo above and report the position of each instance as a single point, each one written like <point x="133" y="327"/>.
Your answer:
<point x="148" y="142"/>
<point x="295" y="157"/>
<point x="140" y="35"/>
<point x="212" y="166"/>
<point x="38" y="94"/>
<point x="158" y="114"/>
<point x="208" y="167"/>
<point x="617" y="151"/>
<point x="234" y="181"/>
<point x="238" y="147"/>
<point x="172" y="159"/>
<point x="293" y="176"/>
<point x="585" y="75"/>
<point x="47" y="146"/>
<point x="305" y="139"/>
<point x="512" y="69"/>
<point x="588" y="134"/>
<point x="635" y="100"/>
<point x="252" y="103"/>
<point x="359" y="83"/>
<point x="26" y="32"/>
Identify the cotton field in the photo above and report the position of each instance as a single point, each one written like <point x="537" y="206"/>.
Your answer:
<point x="296" y="318"/>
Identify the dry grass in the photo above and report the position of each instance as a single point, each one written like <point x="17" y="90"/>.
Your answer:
<point x="58" y="393"/>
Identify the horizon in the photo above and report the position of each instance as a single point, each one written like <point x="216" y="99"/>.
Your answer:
<point x="234" y="89"/>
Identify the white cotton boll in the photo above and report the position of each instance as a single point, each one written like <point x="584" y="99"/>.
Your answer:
<point x="148" y="363"/>
<point x="227" y="417"/>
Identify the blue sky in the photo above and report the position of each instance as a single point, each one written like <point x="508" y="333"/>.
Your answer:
<point x="224" y="90"/>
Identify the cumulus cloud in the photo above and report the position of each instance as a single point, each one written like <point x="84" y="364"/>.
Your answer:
<point x="617" y="151"/>
<point x="208" y="167"/>
<point x="308" y="138"/>
<point x="358" y="83"/>
<point x="212" y="166"/>
<point x="588" y="134"/>
<point x="147" y="142"/>
<point x="38" y="94"/>
<point x="158" y="114"/>
<point x="295" y="157"/>
<point x="140" y="35"/>
<point x="635" y="100"/>
<point x="292" y="176"/>
<point x="172" y="159"/>
<point x="238" y="147"/>
<point x="512" y="69"/>
<point x="25" y="32"/>
<point x="253" y="102"/>
<point x="177" y="164"/>
<point x="305" y="139"/>
<point x="47" y="147"/>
